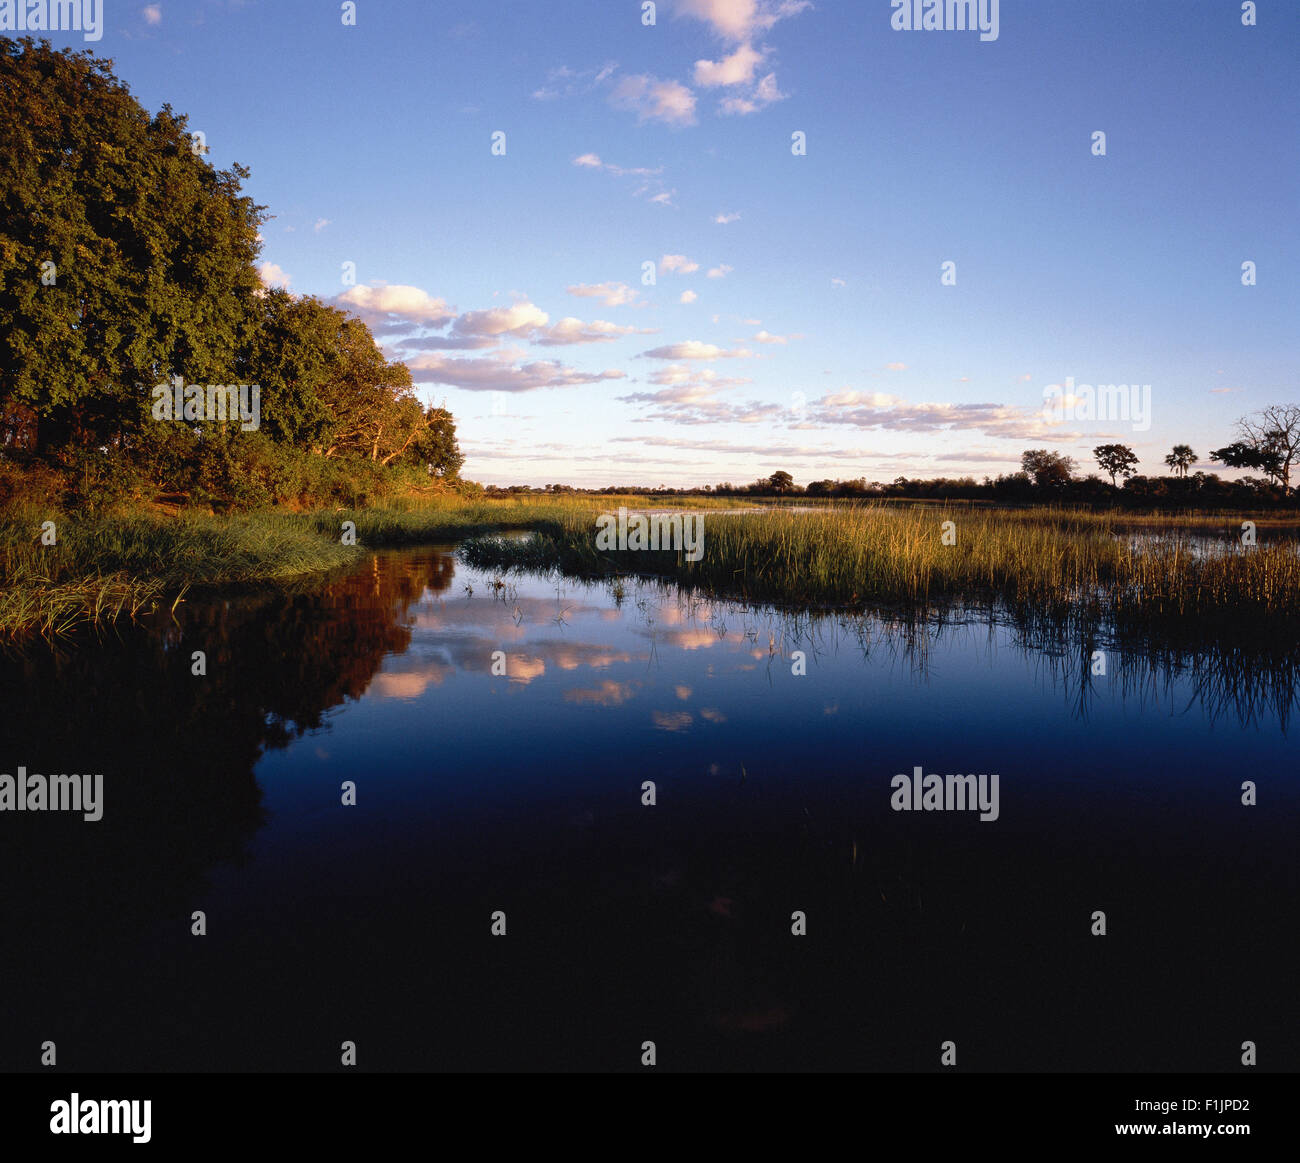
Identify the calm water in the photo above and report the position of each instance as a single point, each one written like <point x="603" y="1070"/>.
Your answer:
<point x="522" y="792"/>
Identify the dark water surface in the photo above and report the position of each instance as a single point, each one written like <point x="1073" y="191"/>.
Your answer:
<point x="522" y="792"/>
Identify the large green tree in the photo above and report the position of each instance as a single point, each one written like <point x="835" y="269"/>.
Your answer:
<point x="432" y="442"/>
<point x="125" y="257"/>
<point x="125" y="260"/>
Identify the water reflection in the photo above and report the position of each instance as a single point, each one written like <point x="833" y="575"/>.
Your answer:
<point x="500" y="733"/>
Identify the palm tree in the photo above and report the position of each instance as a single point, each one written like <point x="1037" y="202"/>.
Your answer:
<point x="1181" y="459"/>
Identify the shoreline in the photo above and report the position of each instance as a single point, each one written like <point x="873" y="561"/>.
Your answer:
<point x="105" y="567"/>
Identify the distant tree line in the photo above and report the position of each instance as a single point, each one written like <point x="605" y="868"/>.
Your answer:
<point x="126" y="259"/>
<point x="1268" y="441"/>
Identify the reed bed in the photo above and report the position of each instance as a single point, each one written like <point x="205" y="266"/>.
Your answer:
<point x="851" y="557"/>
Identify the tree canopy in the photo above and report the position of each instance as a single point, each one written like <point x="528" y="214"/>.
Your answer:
<point x="127" y="259"/>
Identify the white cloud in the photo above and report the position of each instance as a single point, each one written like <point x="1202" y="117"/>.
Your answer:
<point x="592" y="161"/>
<point x="272" y="276"/>
<point x="611" y="294"/>
<point x="679" y="373"/>
<point x="152" y="13"/>
<point x="320" y="224"/>
<point x="679" y="263"/>
<point x="688" y="297"/>
<point x="768" y="337"/>
<point x="892" y="413"/>
<point x="694" y="349"/>
<point x="478" y="330"/>
<point x="839" y="282"/>
<point x="721" y="271"/>
<point x="571" y="330"/>
<point x="446" y="343"/>
<point x="652" y="99"/>
<point x="896" y="367"/>
<point x="634" y="171"/>
<point x="674" y="373"/>
<point x="855" y="399"/>
<point x="739" y="20"/>
<point x="723" y="219"/>
<point x="517" y="319"/>
<point x="500" y="372"/>
<point x="737" y="69"/>
<point x="698" y="403"/>
<point x="388" y="306"/>
<point x="765" y="93"/>
<point x="651" y="180"/>
<point x="397" y="303"/>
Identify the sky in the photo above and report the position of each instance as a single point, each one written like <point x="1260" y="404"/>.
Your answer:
<point x="647" y="281"/>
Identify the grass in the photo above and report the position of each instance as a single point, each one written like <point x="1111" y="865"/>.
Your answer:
<point x="1050" y="560"/>
<point x="105" y="567"/>
<point x="116" y="565"/>
<point x="102" y="568"/>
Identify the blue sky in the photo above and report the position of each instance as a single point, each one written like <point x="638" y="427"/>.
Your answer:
<point x="797" y="320"/>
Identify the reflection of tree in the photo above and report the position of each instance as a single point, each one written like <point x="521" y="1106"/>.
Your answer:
<point x="177" y="751"/>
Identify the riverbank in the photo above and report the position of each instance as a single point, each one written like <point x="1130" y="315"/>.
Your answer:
<point x="97" y="569"/>
<point x="61" y="571"/>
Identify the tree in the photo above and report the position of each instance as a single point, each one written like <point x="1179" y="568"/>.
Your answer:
<point x="152" y="250"/>
<point x="1049" y="469"/>
<point x="1268" y="440"/>
<point x="780" y="482"/>
<point x="1181" y="459"/>
<point x="1115" y="460"/>
<point x="293" y="354"/>
<point x="434" y="443"/>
